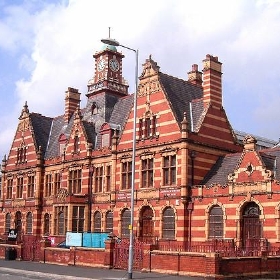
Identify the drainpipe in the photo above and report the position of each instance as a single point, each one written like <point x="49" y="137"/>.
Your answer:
<point x="192" y="155"/>
<point x="90" y="197"/>
<point x="190" y="203"/>
<point x="190" y="208"/>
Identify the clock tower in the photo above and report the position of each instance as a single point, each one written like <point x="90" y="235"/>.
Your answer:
<point x="108" y="73"/>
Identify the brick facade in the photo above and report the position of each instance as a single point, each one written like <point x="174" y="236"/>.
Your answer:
<point x="73" y="172"/>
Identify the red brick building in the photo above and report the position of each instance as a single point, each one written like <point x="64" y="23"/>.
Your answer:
<point x="194" y="180"/>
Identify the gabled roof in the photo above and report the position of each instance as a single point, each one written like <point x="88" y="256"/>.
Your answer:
<point x="58" y="127"/>
<point x="90" y="132"/>
<point x="41" y="128"/>
<point x="226" y="165"/>
<point x="111" y="109"/>
<point x="220" y="171"/>
<point x="183" y="97"/>
<point x="122" y="108"/>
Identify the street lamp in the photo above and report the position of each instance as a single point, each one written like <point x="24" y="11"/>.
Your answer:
<point x="115" y="43"/>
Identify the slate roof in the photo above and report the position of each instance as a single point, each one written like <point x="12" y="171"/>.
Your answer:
<point x="111" y="109"/>
<point x="122" y="107"/>
<point x="271" y="158"/>
<point x="220" y="171"/>
<point x="58" y="127"/>
<point x="41" y="128"/>
<point x="90" y="132"/>
<point x="180" y="94"/>
<point x="183" y="97"/>
<point x="227" y="164"/>
<point x="261" y="141"/>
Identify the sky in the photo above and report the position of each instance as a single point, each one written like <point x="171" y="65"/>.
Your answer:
<point x="46" y="46"/>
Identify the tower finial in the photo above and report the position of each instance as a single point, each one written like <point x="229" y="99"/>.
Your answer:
<point x="109" y="32"/>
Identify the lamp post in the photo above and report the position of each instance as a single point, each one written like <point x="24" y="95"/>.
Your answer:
<point x="115" y="43"/>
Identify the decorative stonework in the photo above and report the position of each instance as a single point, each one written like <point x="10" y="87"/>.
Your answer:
<point x="102" y="198"/>
<point x="62" y="194"/>
<point x="147" y="194"/>
<point x="168" y="151"/>
<point x="148" y="88"/>
<point x="250" y="169"/>
<point x="245" y="188"/>
<point x="18" y="203"/>
<point x="24" y="125"/>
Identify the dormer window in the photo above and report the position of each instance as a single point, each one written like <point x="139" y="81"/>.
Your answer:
<point x="62" y="142"/>
<point x="106" y="135"/>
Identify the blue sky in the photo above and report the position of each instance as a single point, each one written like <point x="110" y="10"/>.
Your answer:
<point x="47" y="46"/>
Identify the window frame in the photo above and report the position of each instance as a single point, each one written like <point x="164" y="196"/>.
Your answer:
<point x="109" y="221"/>
<point x="78" y="218"/>
<point x="29" y="223"/>
<point x="216" y="222"/>
<point x="168" y="223"/>
<point x="48" y="185"/>
<point x="147" y="172"/>
<point x="97" y="221"/>
<point x="31" y="186"/>
<point x="75" y="181"/>
<point x="9" y="194"/>
<point x="99" y="173"/>
<point x="60" y="220"/>
<point x="126" y="175"/>
<point x="169" y="170"/>
<point x="47" y="225"/>
<point x="19" y="193"/>
<point x="125" y="223"/>
<point x="8" y="222"/>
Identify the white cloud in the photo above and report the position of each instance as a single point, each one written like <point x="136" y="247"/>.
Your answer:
<point x="56" y="42"/>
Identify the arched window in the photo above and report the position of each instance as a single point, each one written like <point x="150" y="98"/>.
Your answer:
<point x="109" y="221"/>
<point x="94" y="109"/>
<point x="76" y="144"/>
<point x="60" y="220"/>
<point x="29" y="223"/>
<point x="46" y="224"/>
<point x="168" y="223"/>
<point x="125" y="223"/>
<point x="216" y="223"/>
<point x="7" y="222"/>
<point x="97" y="221"/>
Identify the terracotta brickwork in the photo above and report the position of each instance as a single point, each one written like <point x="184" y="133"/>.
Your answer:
<point x="195" y="181"/>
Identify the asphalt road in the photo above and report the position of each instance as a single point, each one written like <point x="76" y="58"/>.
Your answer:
<point x="22" y="270"/>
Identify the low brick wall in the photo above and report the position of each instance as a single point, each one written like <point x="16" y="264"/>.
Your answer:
<point x="253" y="266"/>
<point x="184" y="263"/>
<point x="209" y="265"/>
<point x="75" y="256"/>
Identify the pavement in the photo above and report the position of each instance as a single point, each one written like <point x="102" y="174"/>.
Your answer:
<point x="34" y="270"/>
<point x="13" y="270"/>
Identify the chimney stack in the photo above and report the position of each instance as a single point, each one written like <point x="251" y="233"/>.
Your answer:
<point x="72" y="102"/>
<point x="195" y="76"/>
<point x="212" y="81"/>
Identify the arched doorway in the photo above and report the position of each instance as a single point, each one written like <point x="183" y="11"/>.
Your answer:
<point x="251" y="227"/>
<point x="146" y="224"/>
